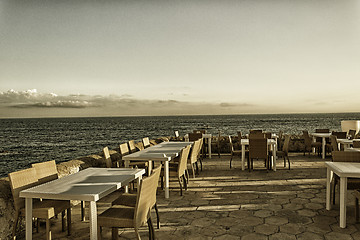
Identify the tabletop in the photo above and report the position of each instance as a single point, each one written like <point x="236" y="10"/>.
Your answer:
<point x="345" y="169"/>
<point x="90" y="184"/>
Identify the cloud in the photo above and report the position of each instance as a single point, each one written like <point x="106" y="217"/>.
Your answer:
<point x="97" y="105"/>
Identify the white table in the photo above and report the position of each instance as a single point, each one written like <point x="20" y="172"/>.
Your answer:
<point x="352" y="149"/>
<point x="344" y="170"/>
<point x="163" y="152"/>
<point x="323" y="136"/>
<point x="345" y="142"/>
<point x="208" y="136"/>
<point x="271" y="142"/>
<point x="90" y="185"/>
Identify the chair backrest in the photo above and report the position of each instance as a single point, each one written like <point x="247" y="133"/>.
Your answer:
<point x="333" y="142"/>
<point x="231" y="144"/>
<point x="176" y="133"/>
<point x="352" y="133"/>
<point x="45" y="171"/>
<point x="356" y="144"/>
<point x="199" y="131"/>
<point x="194" y="136"/>
<point x="132" y="147"/>
<point x="124" y="150"/>
<point x="256" y="131"/>
<point x="285" y="147"/>
<point x="146" y="142"/>
<point x="258" y="148"/>
<point x="19" y="181"/>
<point x="341" y="135"/>
<point x="184" y="154"/>
<point x="194" y="151"/>
<point x="146" y="197"/>
<point x="256" y="135"/>
<point x="239" y="135"/>
<point x="267" y="135"/>
<point x="107" y="157"/>
<point x="345" y="156"/>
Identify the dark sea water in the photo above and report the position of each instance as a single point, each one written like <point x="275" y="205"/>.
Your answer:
<point x="25" y="141"/>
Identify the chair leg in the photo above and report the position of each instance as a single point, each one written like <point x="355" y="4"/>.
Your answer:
<point x="48" y="232"/>
<point x="114" y="233"/>
<point x="63" y="221"/>
<point x="288" y="161"/>
<point x="162" y="183"/>
<point x="200" y="164"/>
<point x="151" y="229"/>
<point x="185" y="182"/>
<point x="231" y="159"/>
<point x="334" y="187"/>
<point x="68" y="212"/>
<point x="193" y="170"/>
<point x="356" y="209"/>
<point x="82" y="211"/>
<point x="179" y="179"/>
<point x="157" y="216"/>
<point x="15" y="224"/>
<point x="137" y="234"/>
<point x="197" y="167"/>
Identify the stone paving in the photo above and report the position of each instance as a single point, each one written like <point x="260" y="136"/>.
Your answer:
<point x="223" y="203"/>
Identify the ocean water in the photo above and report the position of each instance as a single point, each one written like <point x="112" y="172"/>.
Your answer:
<point x="25" y="141"/>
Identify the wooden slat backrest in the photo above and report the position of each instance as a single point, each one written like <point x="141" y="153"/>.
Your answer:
<point x="46" y="171"/>
<point x="333" y="142"/>
<point x="183" y="160"/>
<point x="258" y="148"/>
<point x="19" y="181"/>
<point x="194" y="152"/>
<point x="107" y="157"/>
<point x="132" y="147"/>
<point x="145" y="197"/>
<point x="146" y="142"/>
<point x="124" y="150"/>
<point x="231" y="144"/>
<point x="286" y="144"/>
<point x="345" y="156"/>
<point x="195" y="136"/>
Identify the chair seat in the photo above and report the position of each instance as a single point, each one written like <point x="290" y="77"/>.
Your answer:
<point x="110" y="198"/>
<point x="47" y="209"/>
<point x="126" y="199"/>
<point x="117" y="216"/>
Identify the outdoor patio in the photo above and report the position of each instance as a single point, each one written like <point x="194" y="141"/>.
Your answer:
<point x="223" y="203"/>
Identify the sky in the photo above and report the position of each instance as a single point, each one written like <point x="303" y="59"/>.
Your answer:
<point x="129" y="58"/>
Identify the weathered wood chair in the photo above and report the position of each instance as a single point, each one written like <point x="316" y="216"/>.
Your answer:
<point x="133" y="217"/>
<point x="42" y="209"/>
<point x="285" y="151"/>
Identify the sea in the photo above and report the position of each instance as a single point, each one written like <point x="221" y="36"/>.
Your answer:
<point x="29" y="140"/>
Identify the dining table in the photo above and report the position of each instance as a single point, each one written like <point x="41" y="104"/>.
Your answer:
<point x="271" y="142"/>
<point x="90" y="184"/>
<point x="344" y="170"/>
<point x="163" y="152"/>
<point x="323" y="136"/>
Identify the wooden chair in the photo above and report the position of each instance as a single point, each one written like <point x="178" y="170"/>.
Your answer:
<point x="352" y="133"/>
<point x="133" y="217"/>
<point x="258" y="149"/>
<point x="192" y="160"/>
<point x="124" y="150"/>
<point x="196" y="136"/>
<point x="309" y="144"/>
<point x="333" y="143"/>
<point x="356" y="144"/>
<point x="146" y="142"/>
<point x="233" y="151"/>
<point x="285" y="151"/>
<point x="341" y="135"/>
<point x="42" y="209"/>
<point x="217" y="143"/>
<point x="131" y="145"/>
<point x="179" y="170"/>
<point x="346" y="156"/>
<point x="46" y="172"/>
<point x="129" y="199"/>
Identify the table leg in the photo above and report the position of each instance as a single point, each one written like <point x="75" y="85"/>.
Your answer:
<point x="313" y="149"/>
<point x="243" y="157"/>
<point x="166" y="173"/>
<point x="209" y="146"/>
<point x="323" y="147"/>
<point x="274" y="155"/>
<point x="126" y="163"/>
<point x="28" y="218"/>
<point x="149" y="167"/>
<point x="343" y="195"/>
<point x="93" y="220"/>
<point x="329" y="176"/>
